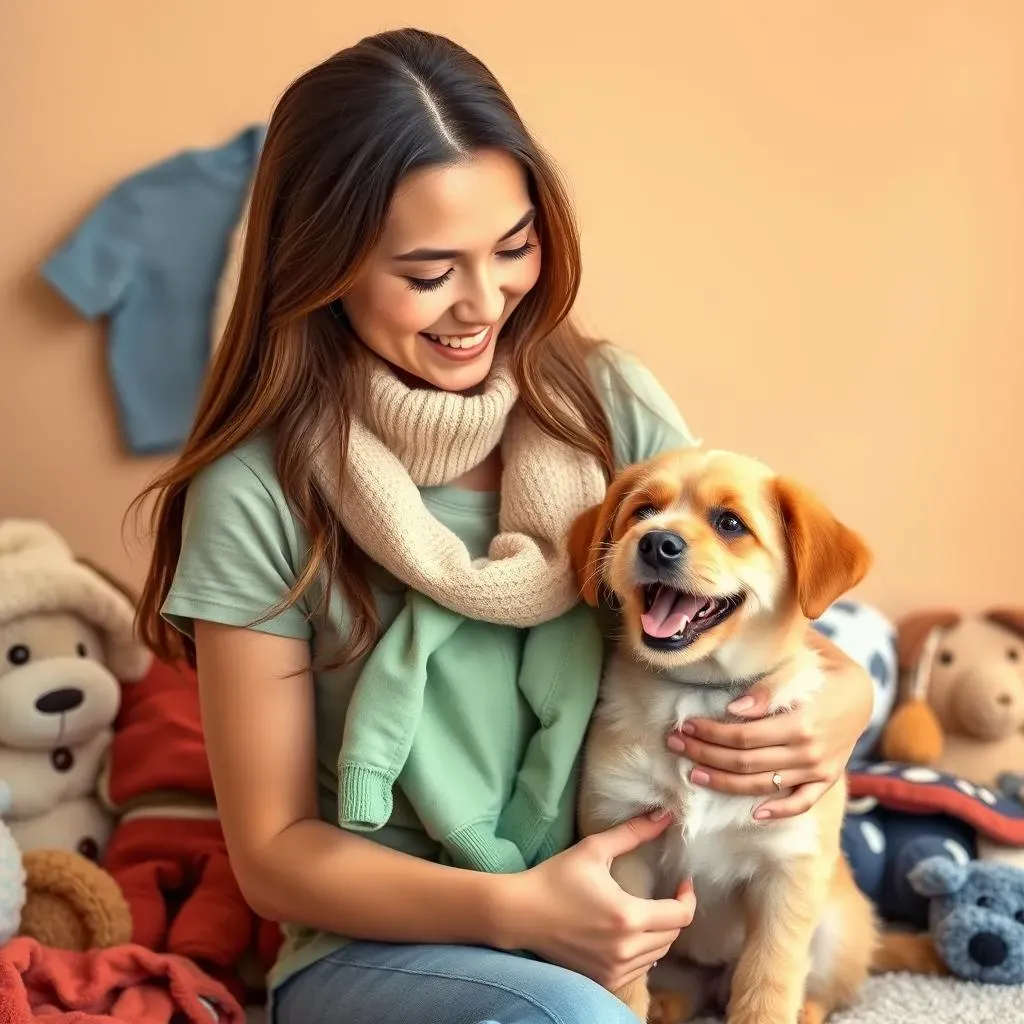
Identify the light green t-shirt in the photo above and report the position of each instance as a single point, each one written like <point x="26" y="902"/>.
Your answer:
<point x="242" y="551"/>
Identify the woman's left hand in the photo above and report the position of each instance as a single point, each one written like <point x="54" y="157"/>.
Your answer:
<point x="808" y="747"/>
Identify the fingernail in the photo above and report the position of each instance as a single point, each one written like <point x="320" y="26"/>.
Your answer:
<point x="659" y="815"/>
<point x="687" y="728"/>
<point x="676" y="743"/>
<point x="699" y="777"/>
<point x="762" y="813"/>
<point x="743" y="704"/>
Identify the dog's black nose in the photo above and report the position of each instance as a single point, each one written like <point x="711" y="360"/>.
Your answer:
<point x="987" y="949"/>
<point x="661" y="549"/>
<point x="56" y="702"/>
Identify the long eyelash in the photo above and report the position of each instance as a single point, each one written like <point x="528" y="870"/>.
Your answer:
<point x="420" y="284"/>
<point x="518" y="254"/>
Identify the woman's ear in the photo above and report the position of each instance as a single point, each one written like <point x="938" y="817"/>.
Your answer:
<point x="828" y="557"/>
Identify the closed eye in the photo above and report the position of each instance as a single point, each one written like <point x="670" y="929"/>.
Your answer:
<point x="430" y="284"/>
<point x="645" y="512"/>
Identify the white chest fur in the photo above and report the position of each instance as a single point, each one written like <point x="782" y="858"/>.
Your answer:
<point x="715" y="839"/>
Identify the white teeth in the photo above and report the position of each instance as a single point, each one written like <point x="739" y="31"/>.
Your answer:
<point x="453" y="342"/>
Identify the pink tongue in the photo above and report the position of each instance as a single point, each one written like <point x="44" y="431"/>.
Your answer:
<point x="670" y="613"/>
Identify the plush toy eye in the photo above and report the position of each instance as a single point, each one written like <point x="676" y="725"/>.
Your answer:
<point x="946" y="657"/>
<point x="18" y="654"/>
<point x="986" y="901"/>
<point x="82" y="652"/>
<point x="1013" y="654"/>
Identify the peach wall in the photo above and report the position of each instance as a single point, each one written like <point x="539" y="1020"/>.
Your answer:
<point x="808" y="218"/>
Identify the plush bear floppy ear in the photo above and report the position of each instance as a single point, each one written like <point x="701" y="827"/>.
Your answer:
<point x="937" y="876"/>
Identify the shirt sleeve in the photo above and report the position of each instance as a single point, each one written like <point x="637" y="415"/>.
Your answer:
<point x="644" y="419"/>
<point x="95" y="266"/>
<point x="240" y="553"/>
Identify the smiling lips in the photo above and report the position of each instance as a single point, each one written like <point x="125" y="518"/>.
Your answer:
<point x="459" y="341"/>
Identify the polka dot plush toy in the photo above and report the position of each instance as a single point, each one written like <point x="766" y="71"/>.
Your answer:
<point x="868" y="637"/>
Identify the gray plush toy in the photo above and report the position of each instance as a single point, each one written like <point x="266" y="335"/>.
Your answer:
<point x="976" y="917"/>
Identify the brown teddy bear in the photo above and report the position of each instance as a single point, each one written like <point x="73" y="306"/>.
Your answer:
<point x="963" y="710"/>
<point x="66" y="639"/>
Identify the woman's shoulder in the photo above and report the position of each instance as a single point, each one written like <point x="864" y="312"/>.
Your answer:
<point x="645" y="420"/>
<point x="242" y="548"/>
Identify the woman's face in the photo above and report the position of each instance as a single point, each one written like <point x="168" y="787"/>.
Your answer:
<point x="458" y="254"/>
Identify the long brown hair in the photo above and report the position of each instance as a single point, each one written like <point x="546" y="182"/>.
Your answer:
<point x="340" y="140"/>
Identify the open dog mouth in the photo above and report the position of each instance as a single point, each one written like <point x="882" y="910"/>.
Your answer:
<point x="673" y="619"/>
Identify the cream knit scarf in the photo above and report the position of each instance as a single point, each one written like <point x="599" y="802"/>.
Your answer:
<point x="406" y="438"/>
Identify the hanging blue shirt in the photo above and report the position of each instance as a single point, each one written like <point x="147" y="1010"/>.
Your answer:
<point x="149" y="256"/>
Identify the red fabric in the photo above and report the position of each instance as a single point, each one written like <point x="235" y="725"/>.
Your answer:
<point x="39" y="985"/>
<point x="999" y="818"/>
<point x="158" y="737"/>
<point x="159" y="861"/>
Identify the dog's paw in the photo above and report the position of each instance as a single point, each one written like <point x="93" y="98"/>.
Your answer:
<point x="668" y="1008"/>
<point x="812" y="1012"/>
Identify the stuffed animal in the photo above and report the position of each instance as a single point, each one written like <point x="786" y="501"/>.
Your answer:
<point x="66" y="638"/>
<point x="963" y="710"/>
<point x="867" y="636"/>
<point x="976" y="916"/>
<point x="12" y="875"/>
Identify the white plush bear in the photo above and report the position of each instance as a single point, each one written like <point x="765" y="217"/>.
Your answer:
<point x="66" y="639"/>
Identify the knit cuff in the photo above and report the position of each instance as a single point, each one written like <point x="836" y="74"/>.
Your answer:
<point x="364" y="797"/>
<point x="477" y="847"/>
<point x="524" y="823"/>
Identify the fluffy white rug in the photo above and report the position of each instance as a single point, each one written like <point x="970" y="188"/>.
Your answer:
<point x="912" y="999"/>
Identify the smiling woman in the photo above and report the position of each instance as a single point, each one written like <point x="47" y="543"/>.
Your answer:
<point x="365" y="626"/>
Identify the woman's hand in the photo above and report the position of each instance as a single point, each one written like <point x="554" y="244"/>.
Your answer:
<point x="570" y="911"/>
<point x="808" y="747"/>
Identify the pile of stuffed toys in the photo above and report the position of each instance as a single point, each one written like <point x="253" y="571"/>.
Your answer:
<point x="935" y="822"/>
<point x="109" y="835"/>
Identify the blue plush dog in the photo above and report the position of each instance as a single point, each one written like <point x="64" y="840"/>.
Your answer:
<point x="976" y="917"/>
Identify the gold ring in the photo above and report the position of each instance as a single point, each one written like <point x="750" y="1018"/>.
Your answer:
<point x="777" y="781"/>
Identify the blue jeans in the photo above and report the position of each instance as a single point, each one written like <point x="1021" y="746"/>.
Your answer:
<point x="377" y="983"/>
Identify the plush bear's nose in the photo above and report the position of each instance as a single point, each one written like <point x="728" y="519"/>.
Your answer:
<point x="987" y="949"/>
<point x="56" y="702"/>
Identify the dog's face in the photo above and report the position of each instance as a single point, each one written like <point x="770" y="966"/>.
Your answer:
<point x="701" y="546"/>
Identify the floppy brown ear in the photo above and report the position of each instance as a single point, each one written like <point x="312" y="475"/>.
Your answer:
<point x="585" y="539"/>
<point x="592" y="529"/>
<point x="912" y="631"/>
<point x="828" y="557"/>
<point x="1009" y="618"/>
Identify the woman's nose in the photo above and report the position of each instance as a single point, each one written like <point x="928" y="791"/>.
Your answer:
<point x="483" y="301"/>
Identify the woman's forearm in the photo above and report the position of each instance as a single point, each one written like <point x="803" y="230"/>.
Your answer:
<point x="336" y="881"/>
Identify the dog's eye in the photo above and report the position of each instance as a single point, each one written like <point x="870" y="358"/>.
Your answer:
<point x="1019" y="916"/>
<point x="986" y="902"/>
<point x="729" y="524"/>
<point x="946" y="657"/>
<point x="18" y="654"/>
<point x="82" y="651"/>
<point x="645" y="512"/>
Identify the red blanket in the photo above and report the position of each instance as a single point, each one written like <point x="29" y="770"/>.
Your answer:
<point x="40" y="985"/>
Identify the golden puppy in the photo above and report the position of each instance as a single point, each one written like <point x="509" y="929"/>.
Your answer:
<point x="716" y="565"/>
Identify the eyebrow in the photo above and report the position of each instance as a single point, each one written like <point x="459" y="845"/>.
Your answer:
<point x="430" y="255"/>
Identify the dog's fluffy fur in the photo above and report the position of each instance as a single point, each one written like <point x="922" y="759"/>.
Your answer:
<point x="781" y="932"/>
